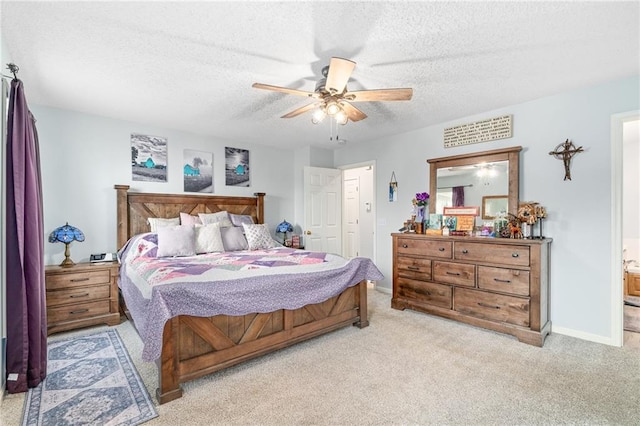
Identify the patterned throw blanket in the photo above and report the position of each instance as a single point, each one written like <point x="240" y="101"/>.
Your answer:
<point x="157" y="271"/>
<point x="230" y="283"/>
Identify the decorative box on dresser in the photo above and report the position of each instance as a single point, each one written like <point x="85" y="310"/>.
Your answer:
<point x="81" y="295"/>
<point x="496" y="283"/>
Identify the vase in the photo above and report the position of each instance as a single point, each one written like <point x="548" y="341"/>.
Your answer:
<point x="420" y="214"/>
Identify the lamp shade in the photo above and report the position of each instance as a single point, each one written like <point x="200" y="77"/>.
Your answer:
<point x="284" y="227"/>
<point x="66" y="234"/>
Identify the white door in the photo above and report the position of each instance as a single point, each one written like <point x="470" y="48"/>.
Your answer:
<point x="351" y="217"/>
<point x="323" y="209"/>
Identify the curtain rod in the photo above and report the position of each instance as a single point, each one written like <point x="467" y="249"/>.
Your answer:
<point x="447" y="187"/>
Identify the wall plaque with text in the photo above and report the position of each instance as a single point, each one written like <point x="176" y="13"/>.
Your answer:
<point x="480" y="131"/>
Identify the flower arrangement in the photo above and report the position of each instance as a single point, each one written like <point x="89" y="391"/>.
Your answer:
<point x="421" y="199"/>
<point x="419" y="203"/>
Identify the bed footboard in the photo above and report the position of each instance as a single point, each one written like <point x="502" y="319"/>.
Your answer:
<point x="195" y="346"/>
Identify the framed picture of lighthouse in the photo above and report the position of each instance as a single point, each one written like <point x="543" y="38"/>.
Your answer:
<point x="197" y="170"/>
<point x="148" y="158"/>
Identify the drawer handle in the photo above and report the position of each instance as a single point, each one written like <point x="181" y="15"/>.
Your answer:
<point x="79" y="311"/>
<point x="79" y="279"/>
<point x="502" y="281"/>
<point x="405" y="246"/>
<point x="413" y="268"/>
<point x="441" y="249"/>
<point x="486" y="305"/>
<point x="453" y="273"/>
<point x="515" y="255"/>
<point x="73" y="296"/>
<point x="465" y="251"/>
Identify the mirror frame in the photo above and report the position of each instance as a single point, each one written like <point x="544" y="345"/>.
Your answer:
<point x="512" y="155"/>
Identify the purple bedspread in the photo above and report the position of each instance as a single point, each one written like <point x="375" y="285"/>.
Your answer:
<point x="258" y="293"/>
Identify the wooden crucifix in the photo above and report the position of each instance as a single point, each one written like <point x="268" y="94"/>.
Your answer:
<point x="566" y="154"/>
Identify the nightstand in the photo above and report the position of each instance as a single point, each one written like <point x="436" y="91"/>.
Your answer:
<point x="81" y="295"/>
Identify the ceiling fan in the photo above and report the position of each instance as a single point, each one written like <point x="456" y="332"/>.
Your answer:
<point x="331" y="96"/>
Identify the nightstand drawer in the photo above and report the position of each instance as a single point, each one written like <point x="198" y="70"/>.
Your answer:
<point x="77" y="279"/>
<point x="78" y="295"/>
<point x="77" y="311"/>
<point x="415" y="268"/>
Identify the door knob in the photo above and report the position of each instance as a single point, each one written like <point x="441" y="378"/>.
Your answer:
<point x="307" y="232"/>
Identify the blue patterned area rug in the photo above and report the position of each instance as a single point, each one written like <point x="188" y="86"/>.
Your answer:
<point x="90" y="381"/>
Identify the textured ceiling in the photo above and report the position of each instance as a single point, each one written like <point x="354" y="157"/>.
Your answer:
<point x="190" y="65"/>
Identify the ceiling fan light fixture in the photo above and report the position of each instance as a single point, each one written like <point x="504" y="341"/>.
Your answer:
<point x="333" y="107"/>
<point x="318" y="116"/>
<point x="341" y="118"/>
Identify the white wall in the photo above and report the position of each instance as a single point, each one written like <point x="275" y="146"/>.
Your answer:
<point x="83" y="156"/>
<point x="579" y="210"/>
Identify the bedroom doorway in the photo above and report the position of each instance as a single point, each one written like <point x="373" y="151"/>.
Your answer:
<point x="619" y="239"/>
<point x="358" y="210"/>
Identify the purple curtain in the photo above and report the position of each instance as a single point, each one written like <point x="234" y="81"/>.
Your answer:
<point x="458" y="196"/>
<point x="26" y="303"/>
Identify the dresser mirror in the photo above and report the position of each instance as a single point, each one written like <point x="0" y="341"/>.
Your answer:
<point x="487" y="179"/>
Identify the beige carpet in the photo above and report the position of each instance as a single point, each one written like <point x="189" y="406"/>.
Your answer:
<point x="407" y="368"/>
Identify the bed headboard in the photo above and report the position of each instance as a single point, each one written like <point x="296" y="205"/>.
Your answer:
<point x="134" y="208"/>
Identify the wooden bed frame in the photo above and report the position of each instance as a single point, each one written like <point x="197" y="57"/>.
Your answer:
<point x="195" y="346"/>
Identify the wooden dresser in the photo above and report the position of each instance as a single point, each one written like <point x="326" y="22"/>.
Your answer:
<point x="81" y="295"/>
<point x="496" y="283"/>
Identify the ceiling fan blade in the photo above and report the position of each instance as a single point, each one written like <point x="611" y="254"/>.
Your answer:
<point x="404" y="94"/>
<point x="339" y="72"/>
<point x="286" y="90"/>
<point x="352" y="112"/>
<point x="300" y="110"/>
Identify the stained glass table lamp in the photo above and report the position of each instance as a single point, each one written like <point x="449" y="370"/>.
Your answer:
<point x="66" y="234"/>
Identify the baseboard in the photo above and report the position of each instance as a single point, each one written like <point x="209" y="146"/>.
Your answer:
<point x="584" y="336"/>
<point x="384" y="290"/>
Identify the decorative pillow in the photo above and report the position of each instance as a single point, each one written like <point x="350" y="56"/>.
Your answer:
<point x="157" y="222"/>
<point x="239" y="219"/>
<point x="176" y="241"/>
<point x="233" y="239"/>
<point x="187" y="219"/>
<point x="208" y="238"/>
<point x="258" y="236"/>
<point x="221" y="217"/>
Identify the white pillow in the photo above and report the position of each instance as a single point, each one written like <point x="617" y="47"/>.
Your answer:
<point x="157" y="222"/>
<point x="258" y="236"/>
<point x="233" y="238"/>
<point x="218" y="217"/>
<point x="208" y="238"/>
<point x="176" y="241"/>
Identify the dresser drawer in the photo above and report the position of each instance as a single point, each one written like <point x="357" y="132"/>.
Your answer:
<point x="454" y="273"/>
<point x="431" y="293"/>
<point x="505" y="254"/>
<point x="505" y="280"/>
<point x="76" y="279"/>
<point x="77" y="311"/>
<point x="426" y="248"/>
<point x="412" y="267"/>
<point x="491" y="306"/>
<point x="78" y="295"/>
